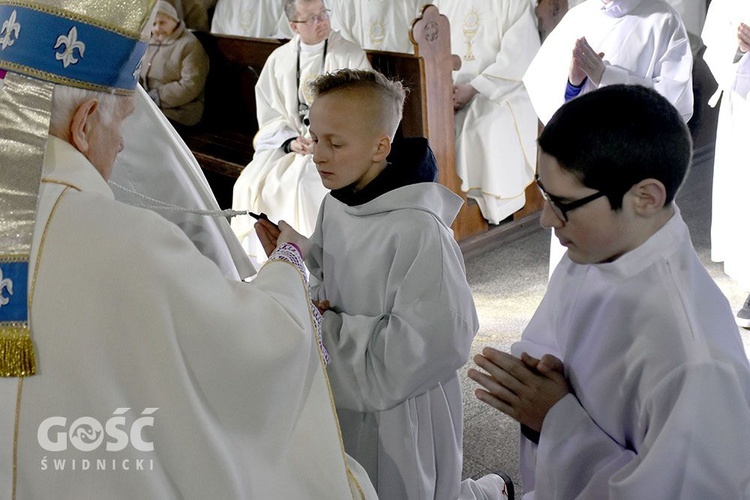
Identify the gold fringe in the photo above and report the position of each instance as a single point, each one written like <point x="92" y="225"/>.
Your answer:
<point x="17" y="357"/>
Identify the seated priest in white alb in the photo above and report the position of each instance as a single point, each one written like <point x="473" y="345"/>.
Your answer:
<point x="255" y="19"/>
<point x="282" y="181"/>
<point x="130" y="367"/>
<point x="375" y="24"/>
<point x="496" y="126"/>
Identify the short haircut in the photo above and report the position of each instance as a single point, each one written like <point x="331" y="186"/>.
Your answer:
<point x="390" y="93"/>
<point x="616" y="136"/>
<point x="66" y="100"/>
<point x="290" y="8"/>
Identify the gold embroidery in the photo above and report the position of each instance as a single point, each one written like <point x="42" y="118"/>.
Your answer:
<point x="472" y="22"/>
<point x="15" y="438"/>
<point x="16" y="351"/>
<point x="377" y="33"/>
<point x="349" y="473"/>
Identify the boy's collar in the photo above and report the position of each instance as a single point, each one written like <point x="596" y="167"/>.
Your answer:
<point x="411" y="161"/>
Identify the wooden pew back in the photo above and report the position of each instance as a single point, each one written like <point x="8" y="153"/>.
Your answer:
<point x="222" y="142"/>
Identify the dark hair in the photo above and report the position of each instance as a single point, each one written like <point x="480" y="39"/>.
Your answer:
<point x="616" y="136"/>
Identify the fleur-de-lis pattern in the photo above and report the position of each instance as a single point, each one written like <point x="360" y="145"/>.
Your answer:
<point x="10" y="31"/>
<point x="71" y="43"/>
<point x="5" y="284"/>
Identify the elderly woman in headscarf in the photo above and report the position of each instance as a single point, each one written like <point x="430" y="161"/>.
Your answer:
<point x="175" y="68"/>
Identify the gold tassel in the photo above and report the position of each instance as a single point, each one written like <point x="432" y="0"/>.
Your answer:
<point x="17" y="357"/>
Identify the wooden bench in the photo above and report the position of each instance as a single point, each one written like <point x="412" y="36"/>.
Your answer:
<point x="222" y="142"/>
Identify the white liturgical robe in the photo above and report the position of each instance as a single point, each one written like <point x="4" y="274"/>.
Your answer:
<point x="644" y="42"/>
<point x="376" y="24"/>
<point x="286" y="186"/>
<point x="401" y="324"/>
<point x="156" y="168"/>
<point x="256" y="19"/>
<point x="692" y="12"/>
<point x="729" y="238"/>
<point x="496" y="131"/>
<point x="157" y="377"/>
<point x="661" y="383"/>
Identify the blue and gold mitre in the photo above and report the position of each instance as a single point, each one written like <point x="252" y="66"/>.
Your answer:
<point x="90" y="44"/>
<point x="93" y="44"/>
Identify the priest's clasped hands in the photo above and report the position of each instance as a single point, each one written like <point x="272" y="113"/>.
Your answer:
<point x="743" y="37"/>
<point x="586" y="63"/>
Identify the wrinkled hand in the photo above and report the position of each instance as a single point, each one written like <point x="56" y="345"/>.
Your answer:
<point x="268" y="234"/>
<point x="271" y="237"/>
<point x="322" y="305"/>
<point x="524" y="389"/>
<point x="289" y="235"/>
<point x="302" y="145"/>
<point x="462" y="94"/>
<point x="586" y="63"/>
<point x="743" y="37"/>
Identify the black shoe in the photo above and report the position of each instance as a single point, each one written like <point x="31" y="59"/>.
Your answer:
<point x="508" y="489"/>
<point x="743" y="315"/>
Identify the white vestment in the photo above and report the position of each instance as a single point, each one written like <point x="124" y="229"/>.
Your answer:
<point x="157" y="377"/>
<point x="644" y="42"/>
<point x="256" y="19"/>
<point x="692" y="12"/>
<point x="376" y="24"/>
<point x="496" y="131"/>
<point x="158" y="166"/>
<point x="401" y="324"/>
<point x="286" y="186"/>
<point x="661" y="383"/>
<point x="730" y="238"/>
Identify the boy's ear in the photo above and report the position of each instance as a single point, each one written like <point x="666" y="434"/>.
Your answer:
<point x="383" y="149"/>
<point x="649" y="196"/>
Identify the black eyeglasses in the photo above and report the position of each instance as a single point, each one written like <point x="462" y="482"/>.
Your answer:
<point x="323" y="15"/>
<point x="561" y="209"/>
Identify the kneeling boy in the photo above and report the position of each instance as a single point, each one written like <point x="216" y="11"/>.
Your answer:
<point x="401" y="317"/>
<point x="655" y="397"/>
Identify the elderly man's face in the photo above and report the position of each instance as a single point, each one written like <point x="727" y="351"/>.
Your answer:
<point x="105" y="139"/>
<point x="163" y="27"/>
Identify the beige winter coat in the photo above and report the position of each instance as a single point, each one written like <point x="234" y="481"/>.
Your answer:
<point x="174" y="75"/>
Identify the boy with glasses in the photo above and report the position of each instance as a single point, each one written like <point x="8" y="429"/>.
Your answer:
<point x="630" y="381"/>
